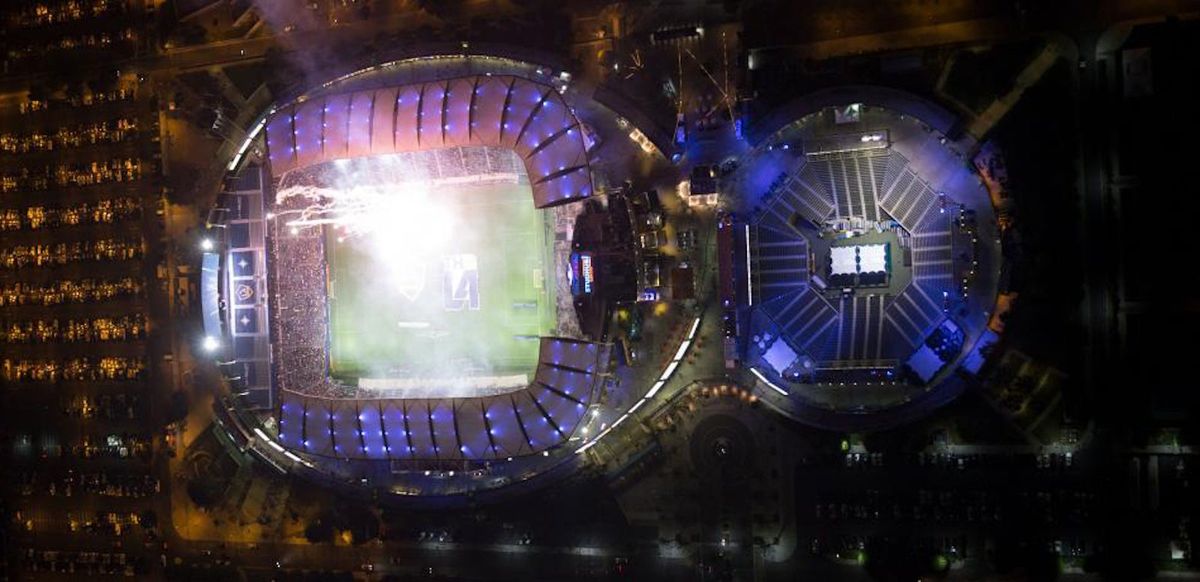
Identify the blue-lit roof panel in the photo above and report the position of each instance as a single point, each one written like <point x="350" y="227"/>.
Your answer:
<point x="318" y="438"/>
<point x="472" y="430"/>
<point x="347" y="438"/>
<point x="394" y="427"/>
<point x="537" y="426"/>
<point x="372" y="429"/>
<point x="418" y="426"/>
<point x="506" y="431"/>
<point x="337" y="128"/>
<point x="309" y="133"/>
<point x="291" y="421"/>
<point x="445" y="436"/>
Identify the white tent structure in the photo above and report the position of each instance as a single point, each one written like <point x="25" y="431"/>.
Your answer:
<point x="858" y="259"/>
<point x="844" y="260"/>
<point x="872" y="258"/>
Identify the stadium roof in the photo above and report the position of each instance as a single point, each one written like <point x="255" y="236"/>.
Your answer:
<point x="524" y="422"/>
<point x="506" y="111"/>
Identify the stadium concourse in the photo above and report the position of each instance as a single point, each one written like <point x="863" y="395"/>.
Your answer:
<point x="324" y="174"/>
<point x="865" y="259"/>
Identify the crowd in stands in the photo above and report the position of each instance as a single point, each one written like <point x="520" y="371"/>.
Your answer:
<point x="300" y="325"/>
<point x="566" y="322"/>
<point x="440" y="164"/>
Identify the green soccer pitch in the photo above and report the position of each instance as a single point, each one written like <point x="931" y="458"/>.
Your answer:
<point x="420" y="323"/>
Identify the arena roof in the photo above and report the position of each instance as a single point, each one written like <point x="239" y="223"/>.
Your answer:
<point x="497" y="110"/>
<point x="528" y="421"/>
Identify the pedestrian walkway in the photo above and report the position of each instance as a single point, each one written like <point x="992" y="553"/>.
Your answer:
<point x="984" y="122"/>
<point x="963" y="31"/>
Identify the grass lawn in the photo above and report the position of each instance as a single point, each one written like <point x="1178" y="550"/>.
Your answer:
<point x="419" y="321"/>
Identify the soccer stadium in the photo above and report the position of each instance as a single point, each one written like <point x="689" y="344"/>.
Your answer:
<point x="864" y="262"/>
<point x="391" y="291"/>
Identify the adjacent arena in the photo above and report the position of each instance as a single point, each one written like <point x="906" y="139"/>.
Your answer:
<point x="865" y="263"/>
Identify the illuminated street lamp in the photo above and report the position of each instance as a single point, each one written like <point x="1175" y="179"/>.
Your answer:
<point x="210" y="343"/>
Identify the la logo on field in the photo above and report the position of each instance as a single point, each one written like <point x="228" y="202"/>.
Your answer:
<point x="460" y="282"/>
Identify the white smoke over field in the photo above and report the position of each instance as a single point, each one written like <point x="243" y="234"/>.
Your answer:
<point x="288" y="15"/>
<point x="392" y="216"/>
<point x="293" y="24"/>
<point x="399" y="231"/>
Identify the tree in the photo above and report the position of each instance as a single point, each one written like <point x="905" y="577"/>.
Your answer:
<point x="148" y="519"/>
<point x="319" y="532"/>
<point x="189" y="33"/>
<point x="205" y="491"/>
<point x="178" y="408"/>
<point x="1129" y="562"/>
<point x="104" y="82"/>
<point x="359" y="520"/>
<point x="1017" y="554"/>
<point x="441" y="8"/>
<point x="894" y="558"/>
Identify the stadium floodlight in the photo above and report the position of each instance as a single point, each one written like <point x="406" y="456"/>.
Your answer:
<point x="749" y="273"/>
<point x="683" y="347"/>
<point x="210" y="343"/>
<point x="769" y="383"/>
<point x="670" y="370"/>
<point x="206" y="244"/>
